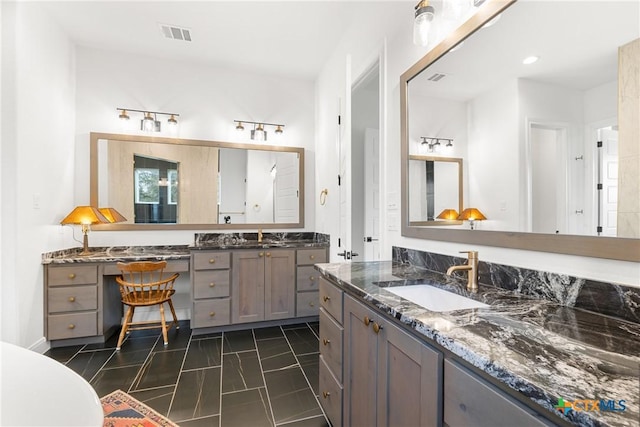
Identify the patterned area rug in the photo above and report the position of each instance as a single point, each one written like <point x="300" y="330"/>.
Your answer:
<point x="122" y="410"/>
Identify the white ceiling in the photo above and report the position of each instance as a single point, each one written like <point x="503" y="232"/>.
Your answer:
<point x="290" y="38"/>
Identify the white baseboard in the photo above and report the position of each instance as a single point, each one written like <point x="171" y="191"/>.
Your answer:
<point x="41" y="346"/>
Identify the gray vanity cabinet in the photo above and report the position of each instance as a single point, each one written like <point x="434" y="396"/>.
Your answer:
<point x="469" y="400"/>
<point x="263" y="285"/>
<point x="210" y="289"/>
<point x="390" y="378"/>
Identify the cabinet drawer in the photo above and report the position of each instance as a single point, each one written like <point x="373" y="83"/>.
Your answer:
<point x="307" y="278"/>
<point x="211" y="260"/>
<point x="330" y="394"/>
<point x="72" y="275"/>
<point x="470" y="400"/>
<point x="211" y="284"/>
<point x="72" y="298"/>
<point x="307" y="304"/>
<point x="173" y="266"/>
<point x="311" y="256"/>
<point x="72" y="325"/>
<point x="211" y="312"/>
<point x="331" y="343"/>
<point x="331" y="299"/>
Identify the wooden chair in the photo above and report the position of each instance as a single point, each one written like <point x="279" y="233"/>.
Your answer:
<point x="142" y="284"/>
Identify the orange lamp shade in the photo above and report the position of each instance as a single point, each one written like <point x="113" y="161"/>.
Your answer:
<point x="85" y="215"/>
<point x="449" y="214"/>
<point x="112" y="215"/>
<point x="472" y="214"/>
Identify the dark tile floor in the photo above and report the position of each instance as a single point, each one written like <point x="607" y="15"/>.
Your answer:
<point x="254" y="377"/>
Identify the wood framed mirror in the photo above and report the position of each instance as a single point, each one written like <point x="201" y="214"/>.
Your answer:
<point x="160" y="183"/>
<point x="500" y="170"/>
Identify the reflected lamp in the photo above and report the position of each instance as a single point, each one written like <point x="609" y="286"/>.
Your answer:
<point x="85" y="216"/>
<point x="112" y="215"/>
<point x="471" y="215"/>
<point x="448" y="214"/>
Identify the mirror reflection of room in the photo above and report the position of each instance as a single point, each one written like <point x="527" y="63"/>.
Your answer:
<point x="538" y="118"/>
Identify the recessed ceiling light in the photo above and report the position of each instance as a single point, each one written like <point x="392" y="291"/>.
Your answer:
<point x="530" y="60"/>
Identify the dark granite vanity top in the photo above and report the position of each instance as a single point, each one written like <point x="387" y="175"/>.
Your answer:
<point x="117" y="253"/>
<point x="269" y="240"/>
<point x="539" y="348"/>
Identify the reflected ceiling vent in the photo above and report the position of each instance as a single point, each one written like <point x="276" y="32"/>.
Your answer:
<point x="435" y="77"/>
<point x="175" y="33"/>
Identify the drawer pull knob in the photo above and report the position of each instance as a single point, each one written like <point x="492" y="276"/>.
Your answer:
<point x="72" y="275"/>
<point x="312" y="304"/>
<point x="268" y="253"/>
<point x="367" y="320"/>
<point x="212" y="285"/>
<point x="326" y="394"/>
<point x="72" y="299"/>
<point x="312" y="278"/>
<point x="212" y="261"/>
<point x="326" y="298"/>
<point x="261" y="254"/>
<point x="72" y="326"/>
<point x="312" y="256"/>
<point x="376" y="328"/>
<point x="326" y="341"/>
<point x="212" y="314"/>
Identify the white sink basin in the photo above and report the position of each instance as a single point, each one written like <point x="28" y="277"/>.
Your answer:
<point x="435" y="299"/>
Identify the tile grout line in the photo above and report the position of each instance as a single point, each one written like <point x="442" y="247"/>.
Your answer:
<point x="304" y="373"/>
<point x="301" y="419"/>
<point x="221" y="374"/>
<point x="264" y="380"/>
<point x="175" y="387"/>
<point x="142" y="367"/>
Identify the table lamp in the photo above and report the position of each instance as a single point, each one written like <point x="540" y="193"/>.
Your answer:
<point x="471" y="215"/>
<point x="85" y="216"/>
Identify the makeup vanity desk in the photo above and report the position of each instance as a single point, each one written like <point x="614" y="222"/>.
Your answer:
<point x="275" y="279"/>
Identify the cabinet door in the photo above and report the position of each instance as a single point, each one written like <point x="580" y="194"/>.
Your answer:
<point x="409" y="380"/>
<point x="360" y="364"/>
<point x="247" y="298"/>
<point x="279" y="284"/>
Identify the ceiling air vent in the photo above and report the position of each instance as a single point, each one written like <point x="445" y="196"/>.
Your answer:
<point x="436" y="77"/>
<point x="175" y="33"/>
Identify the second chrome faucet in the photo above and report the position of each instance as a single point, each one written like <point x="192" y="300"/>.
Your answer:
<point x="472" y="270"/>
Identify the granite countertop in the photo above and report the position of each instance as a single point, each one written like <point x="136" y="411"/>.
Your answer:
<point x="210" y="241"/>
<point x="117" y="253"/>
<point x="536" y="347"/>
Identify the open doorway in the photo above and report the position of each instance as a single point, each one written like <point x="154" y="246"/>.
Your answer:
<point x="365" y="166"/>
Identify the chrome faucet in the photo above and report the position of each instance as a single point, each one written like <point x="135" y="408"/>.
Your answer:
<point x="472" y="270"/>
<point x="259" y="235"/>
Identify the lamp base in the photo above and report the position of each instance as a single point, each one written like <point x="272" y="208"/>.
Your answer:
<point x="85" y="244"/>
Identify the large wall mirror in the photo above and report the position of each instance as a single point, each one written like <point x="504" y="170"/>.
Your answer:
<point x="548" y="144"/>
<point x="166" y="183"/>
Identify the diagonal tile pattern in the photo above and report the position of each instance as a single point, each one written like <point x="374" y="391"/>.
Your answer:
<point x="254" y="377"/>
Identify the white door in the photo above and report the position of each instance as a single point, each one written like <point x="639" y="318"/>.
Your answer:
<point x="286" y="195"/>
<point x="371" y="195"/>
<point x="609" y="181"/>
<point x="344" y="170"/>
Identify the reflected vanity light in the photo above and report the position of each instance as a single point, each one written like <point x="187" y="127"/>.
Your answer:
<point x="448" y="214"/>
<point x="434" y="143"/>
<point x="471" y="215"/>
<point x="150" y="122"/>
<point x="258" y="133"/>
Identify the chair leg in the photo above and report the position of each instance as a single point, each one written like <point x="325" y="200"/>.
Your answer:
<point x="125" y="326"/>
<point x="173" y="312"/>
<point x="164" y="325"/>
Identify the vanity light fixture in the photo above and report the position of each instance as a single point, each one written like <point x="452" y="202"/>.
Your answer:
<point x="85" y="216"/>
<point x="422" y="22"/>
<point x="471" y="215"/>
<point x="258" y="133"/>
<point x="150" y="122"/>
<point x="448" y="214"/>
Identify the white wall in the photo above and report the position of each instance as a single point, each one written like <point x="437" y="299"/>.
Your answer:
<point x="207" y="98"/>
<point x="38" y="74"/>
<point x="399" y="55"/>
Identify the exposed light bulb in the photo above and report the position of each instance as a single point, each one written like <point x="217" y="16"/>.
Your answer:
<point x="124" y="116"/>
<point x="422" y="23"/>
<point x="239" y="127"/>
<point x="148" y="123"/>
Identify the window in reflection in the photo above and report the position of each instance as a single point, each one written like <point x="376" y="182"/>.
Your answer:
<point x="156" y="190"/>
